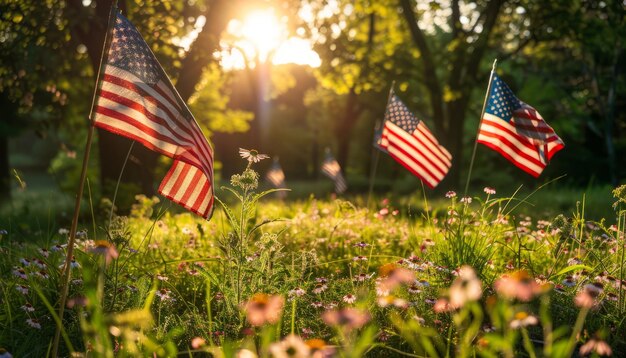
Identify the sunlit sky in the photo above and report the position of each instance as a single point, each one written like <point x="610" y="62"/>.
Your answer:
<point x="260" y="33"/>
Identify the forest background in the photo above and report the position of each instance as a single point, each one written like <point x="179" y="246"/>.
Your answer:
<point x="565" y="58"/>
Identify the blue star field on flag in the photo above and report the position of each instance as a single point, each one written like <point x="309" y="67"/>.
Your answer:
<point x="131" y="53"/>
<point x="398" y="113"/>
<point x="502" y="102"/>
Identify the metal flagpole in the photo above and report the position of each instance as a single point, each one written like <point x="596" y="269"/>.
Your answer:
<point x="81" y="185"/>
<point x="482" y="114"/>
<point x="377" y="157"/>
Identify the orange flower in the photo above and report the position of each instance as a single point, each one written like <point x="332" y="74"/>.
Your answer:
<point x="263" y="308"/>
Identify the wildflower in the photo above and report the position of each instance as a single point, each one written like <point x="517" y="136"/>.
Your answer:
<point x="27" y="307"/>
<point x="307" y="331"/>
<point x="321" y="280"/>
<point x="197" y="342"/>
<point x="44" y="252"/>
<point x="33" y="322"/>
<point x="414" y="289"/>
<point x="319" y="349"/>
<point x="57" y="247"/>
<point x="420" y="320"/>
<point x="164" y="294"/>
<point x="359" y="258"/>
<point x="105" y="249"/>
<point x="162" y="277"/>
<point x="361" y="277"/>
<point x="317" y="304"/>
<point x="600" y="347"/>
<point x="263" y="308"/>
<point x="574" y="261"/>
<point x="569" y="281"/>
<point x="3" y="352"/>
<point x="349" y="298"/>
<point x="297" y="292"/>
<point x="451" y="194"/>
<point x="42" y="274"/>
<point x="518" y="285"/>
<point x="25" y="261"/>
<point x="466" y="200"/>
<point x="523" y="319"/>
<point x="586" y="298"/>
<point x="489" y="190"/>
<point x="3" y="232"/>
<point x="466" y="287"/>
<point x="63" y="231"/>
<point x="291" y="346"/>
<point x="348" y="318"/>
<point x="19" y="272"/>
<point x="77" y="301"/>
<point x="442" y="305"/>
<point x="392" y="275"/>
<point x="430" y="301"/>
<point x="319" y="288"/>
<point x="246" y="353"/>
<point x="252" y="156"/>
<point x="22" y="289"/>
<point x="361" y="244"/>
<point x="39" y="263"/>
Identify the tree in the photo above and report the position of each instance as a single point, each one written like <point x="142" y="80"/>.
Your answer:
<point x="163" y="21"/>
<point x="584" y="51"/>
<point x="30" y="70"/>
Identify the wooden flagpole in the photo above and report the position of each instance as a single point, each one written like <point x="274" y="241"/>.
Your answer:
<point x="482" y="114"/>
<point x="377" y="156"/>
<point x="83" y="174"/>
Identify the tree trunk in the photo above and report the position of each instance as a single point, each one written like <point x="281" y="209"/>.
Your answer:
<point x="609" y="118"/>
<point x="456" y="115"/>
<point x="344" y="129"/>
<point x="5" y="175"/>
<point x="113" y="149"/>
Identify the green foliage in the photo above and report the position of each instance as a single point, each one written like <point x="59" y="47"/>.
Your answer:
<point x="178" y="279"/>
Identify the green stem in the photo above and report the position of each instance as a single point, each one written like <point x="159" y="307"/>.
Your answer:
<point x="527" y="344"/>
<point x="293" y="315"/>
<point x="580" y="320"/>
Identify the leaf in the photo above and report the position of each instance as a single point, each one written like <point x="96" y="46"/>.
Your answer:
<point x="258" y="196"/>
<point x="234" y="223"/>
<point x="573" y="268"/>
<point x="236" y="194"/>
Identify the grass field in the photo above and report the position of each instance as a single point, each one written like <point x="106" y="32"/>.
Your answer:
<point x="315" y="276"/>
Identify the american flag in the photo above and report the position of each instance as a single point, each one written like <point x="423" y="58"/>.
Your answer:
<point x="517" y="131"/>
<point x="276" y="177"/>
<point x="410" y="143"/>
<point x="137" y="100"/>
<point x="331" y="169"/>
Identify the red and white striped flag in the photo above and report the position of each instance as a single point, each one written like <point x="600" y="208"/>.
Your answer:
<point x="517" y="131"/>
<point x="137" y="100"/>
<point x="410" y="143"/>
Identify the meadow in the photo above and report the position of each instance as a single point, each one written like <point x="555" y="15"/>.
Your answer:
<point x="537" y="274"/>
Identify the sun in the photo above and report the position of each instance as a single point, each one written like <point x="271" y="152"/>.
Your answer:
<point x="264" y="31"/>
<point x="262" y="36"/>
